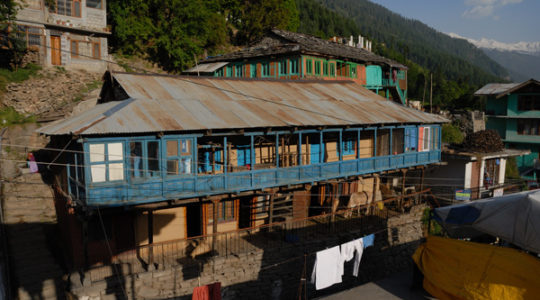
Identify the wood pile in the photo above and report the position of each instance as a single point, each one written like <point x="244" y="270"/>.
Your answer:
<point x="484" y="141"/>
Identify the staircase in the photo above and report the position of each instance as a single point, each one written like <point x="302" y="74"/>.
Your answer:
<point x="30" y="223"/>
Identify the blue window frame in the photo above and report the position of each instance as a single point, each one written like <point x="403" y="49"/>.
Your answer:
<point x="348" y="146"/>
<point x="106" y="161"/>
<point x="179" y="156"/>
<point x="144" y="158"/>
<point x="315" y="152"/>
<point x="411" y="139"/>
<point x="244" y="155"/>
<point x="206" y="165"/>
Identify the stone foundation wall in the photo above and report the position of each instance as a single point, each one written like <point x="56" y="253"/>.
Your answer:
<point x="264" y="273"/>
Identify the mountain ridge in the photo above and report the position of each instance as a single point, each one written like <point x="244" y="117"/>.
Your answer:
<point x="532" y="48"/>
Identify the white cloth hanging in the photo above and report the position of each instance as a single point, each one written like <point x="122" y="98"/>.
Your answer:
<point x="348" y="251"/>
<point x="327" y="269"/>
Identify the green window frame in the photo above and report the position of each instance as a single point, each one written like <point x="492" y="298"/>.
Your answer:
<point x="239" y="70"/>
<point x="265" y="66"/>
<point x="325" y="68"/>
<point x="309" y="66"/>
<point x="253" y="70"/>
<point x="333" y="69"/>
<point x="294" y="66"/>
<point x="283" y="67"/>
<point x="317" y="67"/>
<point x="352" y="68"/>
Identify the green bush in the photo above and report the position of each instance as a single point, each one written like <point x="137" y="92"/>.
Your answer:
<point x="434" y="227"/>
<point x="9" y="116"/>
<point x="451" y="134"/>
<point x="512" y="171"/>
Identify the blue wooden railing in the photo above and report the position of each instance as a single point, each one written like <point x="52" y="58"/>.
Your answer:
<point x="162" y="189"/>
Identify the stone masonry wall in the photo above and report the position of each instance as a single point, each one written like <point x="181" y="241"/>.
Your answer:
<point x="265" y="273"/>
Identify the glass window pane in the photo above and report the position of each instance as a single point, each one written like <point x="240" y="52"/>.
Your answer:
<point x="426" y="138"/>
<point x="172" y="148"/>
<point x="116" y="171"/>
<point x="97" y="173"/>
<point x="115" y="151"/>
<point x="153" y="158"/>
<point x="97" y="152"/>
<point x="76" y="8"/>
<point x="186" y="146"/>
<point x="93" y="3"/>
<point x="186" y="165"/>
<point x="135" y="155"/>
<point x="172" y="167"/>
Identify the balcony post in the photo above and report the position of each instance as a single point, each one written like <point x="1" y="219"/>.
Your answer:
<point x="225" y="161"/>
<point x="215" y="203"/>
<point x="150" y="226"/>
<point x="340" y="147"/>
<point x="252" y="158"/>
<point x="277" y="150"/>
<point x="300" y="148"/>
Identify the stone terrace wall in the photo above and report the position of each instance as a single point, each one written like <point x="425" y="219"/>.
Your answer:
<point x="264" y="273"/>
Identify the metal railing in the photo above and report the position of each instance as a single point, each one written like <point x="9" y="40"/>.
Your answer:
<point x="359" y="220"/>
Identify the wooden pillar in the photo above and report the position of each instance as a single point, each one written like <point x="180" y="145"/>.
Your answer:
<point x="402" y="200"/>
<point x="271" y="211"/>
<point x="215" y="204"/>
<point x="150" y="225"/>
<point x="85" y="241"/>
<point x="376" y="185"/>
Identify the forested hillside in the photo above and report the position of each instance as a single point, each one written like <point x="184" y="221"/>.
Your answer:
<point x="455" y="58"/>
<point x="173" y="33"/>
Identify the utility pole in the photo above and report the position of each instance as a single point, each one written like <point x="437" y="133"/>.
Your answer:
<point x="431" y="95"/>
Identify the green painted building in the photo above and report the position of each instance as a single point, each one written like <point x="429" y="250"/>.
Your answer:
<point x="513" y="110"/>
<point x="289" y="55"/>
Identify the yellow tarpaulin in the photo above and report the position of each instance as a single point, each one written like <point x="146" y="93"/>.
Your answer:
<point x="455" y="269"/>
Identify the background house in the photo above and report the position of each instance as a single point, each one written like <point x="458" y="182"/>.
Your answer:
<point x="513" y="110"/>
<point x="288" y="55"/>
<point x="470" y="176"/>
<point x="68" y="33"/>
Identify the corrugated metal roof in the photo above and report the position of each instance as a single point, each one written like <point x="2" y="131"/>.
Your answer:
<point x="501" y="89"/>
<point x="206" y="68"/>
<point x="495" y="88"/>
<point x="165" y="103"/>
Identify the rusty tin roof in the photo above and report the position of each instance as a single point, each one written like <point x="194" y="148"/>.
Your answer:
<point x="160" y="103"/>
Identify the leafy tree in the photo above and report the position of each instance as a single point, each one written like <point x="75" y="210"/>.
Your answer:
<point x="12" y="49"/>
<point x="169" y="32"/>
<point x="451" y="134"/>
<point x="254" y="18"/>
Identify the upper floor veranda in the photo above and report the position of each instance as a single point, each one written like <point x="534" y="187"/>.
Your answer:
<point x="113" y="171"/>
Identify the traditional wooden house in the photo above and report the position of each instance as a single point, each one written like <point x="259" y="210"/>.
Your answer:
<point x="289" y="55"/>
<point x="162" y="157"/>
<point x="513" y="110"/>
<point x="68" y="33"/>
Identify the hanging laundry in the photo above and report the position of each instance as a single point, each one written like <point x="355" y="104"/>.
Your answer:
<point x="369" y="240"/>
<point x="207" y="292"/>
<point x="32" y="164"/>
<point x="328" y="268"/>
<point x="348" y="251"/>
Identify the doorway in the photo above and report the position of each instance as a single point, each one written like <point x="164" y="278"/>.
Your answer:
<point x="56" y="58"/>
<point x="194" y="219"/>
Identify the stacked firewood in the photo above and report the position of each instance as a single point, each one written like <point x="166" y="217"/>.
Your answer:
<point x="483" y="141"/>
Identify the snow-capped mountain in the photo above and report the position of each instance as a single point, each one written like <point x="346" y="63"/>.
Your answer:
<point x="532" y="48"/>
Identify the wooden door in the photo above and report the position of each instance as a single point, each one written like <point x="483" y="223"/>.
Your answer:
<point x="55" y="51"/>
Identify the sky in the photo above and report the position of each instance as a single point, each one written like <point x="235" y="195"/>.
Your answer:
<point x="508" y="21"/>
